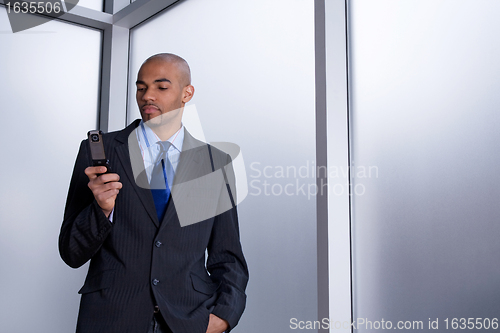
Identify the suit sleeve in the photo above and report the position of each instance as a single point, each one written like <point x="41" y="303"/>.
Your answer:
<point x="84" y="226"/>
<point x="226" y="262"/>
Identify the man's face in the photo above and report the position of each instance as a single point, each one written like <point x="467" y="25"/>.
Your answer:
<point x="161" y="90"/>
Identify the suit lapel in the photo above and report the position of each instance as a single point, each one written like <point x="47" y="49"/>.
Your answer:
<point x="131" y="159"/>
<point x="190" y="166"/>
<point x="189" y="161"/>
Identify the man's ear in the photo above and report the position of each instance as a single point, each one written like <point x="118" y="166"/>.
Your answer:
<point x="188" y="93"/>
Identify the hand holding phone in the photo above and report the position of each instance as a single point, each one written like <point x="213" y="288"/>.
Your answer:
<point x="103" y="184"/>
<point x="97" y="150"/>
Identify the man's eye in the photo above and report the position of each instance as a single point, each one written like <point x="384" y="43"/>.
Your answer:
<point x="140" y="89"/>
<point x="162" y="88"/>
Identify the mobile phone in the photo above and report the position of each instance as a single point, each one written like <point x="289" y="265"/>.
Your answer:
<point x="97" y="150"/>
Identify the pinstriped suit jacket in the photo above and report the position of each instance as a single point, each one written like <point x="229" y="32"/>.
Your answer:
<point x="137" y="262"/>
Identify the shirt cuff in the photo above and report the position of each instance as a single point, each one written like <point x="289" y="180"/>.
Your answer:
<point x="111" y="215"/>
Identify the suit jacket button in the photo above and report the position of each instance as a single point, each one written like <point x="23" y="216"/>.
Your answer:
<point x="155" y="282"/>
<point x="158" y="243"/>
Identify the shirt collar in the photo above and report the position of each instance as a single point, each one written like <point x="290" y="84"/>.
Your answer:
<point x="147" y="138"/>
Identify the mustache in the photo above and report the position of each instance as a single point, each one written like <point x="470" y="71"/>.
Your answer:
<point x="150" y="104"/>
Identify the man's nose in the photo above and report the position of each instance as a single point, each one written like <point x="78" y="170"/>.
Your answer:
<point x="148" y="95"/>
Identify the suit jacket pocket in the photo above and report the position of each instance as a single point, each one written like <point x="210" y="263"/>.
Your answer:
<point x="204" y="286"/>
<point x="101" y="280"/>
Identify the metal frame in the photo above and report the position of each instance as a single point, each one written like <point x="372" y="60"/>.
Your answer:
<point x="332" y="150"/>
<point x="321" y="161"/>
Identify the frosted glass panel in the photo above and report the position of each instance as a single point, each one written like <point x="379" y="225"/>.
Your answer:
<point x="424" y="114"/>
<point x="92" y="4"/>
<point x="252" y="64"/>
<point x="49" y="92"/>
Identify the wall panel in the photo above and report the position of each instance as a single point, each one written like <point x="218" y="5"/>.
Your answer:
<point x="424" y="113"/>
<point x="252" y="64"/>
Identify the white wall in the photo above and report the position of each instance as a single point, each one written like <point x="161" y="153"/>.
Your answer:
<point x="424" y="111"/>
<point x="252" y="64"/>
<point x="49" y="93"/>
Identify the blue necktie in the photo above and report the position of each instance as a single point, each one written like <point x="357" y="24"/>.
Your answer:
<point x="159" y="181"/>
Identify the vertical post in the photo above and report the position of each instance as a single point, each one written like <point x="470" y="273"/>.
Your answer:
<point x="114" y="78"/>
<point x="321" y="161"/>
<point x="338" y="149"/>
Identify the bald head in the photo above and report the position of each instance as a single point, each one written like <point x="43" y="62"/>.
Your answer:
<point x="180" y="64"/>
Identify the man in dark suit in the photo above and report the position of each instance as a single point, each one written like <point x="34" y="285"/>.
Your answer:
<point x="147" y="268"/>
